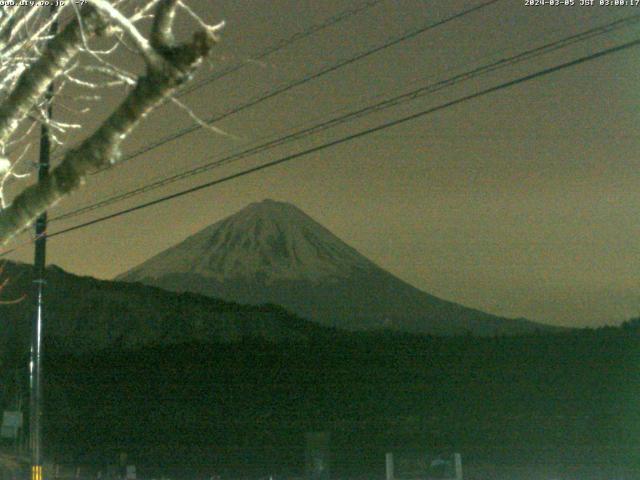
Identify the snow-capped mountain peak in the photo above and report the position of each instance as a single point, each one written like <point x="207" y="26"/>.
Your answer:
<point x="272" y="252"/>
<point x="265" y="241"/>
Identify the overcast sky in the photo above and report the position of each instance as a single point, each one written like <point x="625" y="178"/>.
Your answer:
<point x="523" y="202"/>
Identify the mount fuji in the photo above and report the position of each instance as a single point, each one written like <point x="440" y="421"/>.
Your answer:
<point x="272" y="252"/>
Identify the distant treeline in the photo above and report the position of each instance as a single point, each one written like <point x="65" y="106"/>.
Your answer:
<point x="246" y="405"/>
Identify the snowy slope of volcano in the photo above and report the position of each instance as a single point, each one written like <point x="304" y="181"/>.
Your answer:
<point x="267" y="242"/>
<point x="272" y="252"/>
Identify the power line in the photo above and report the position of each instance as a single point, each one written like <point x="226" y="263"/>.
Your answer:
<point x="362" y="133"/>
<point x="306" y="79"/>
<point x="359" y="113"/>
<point x="283" y="44"/>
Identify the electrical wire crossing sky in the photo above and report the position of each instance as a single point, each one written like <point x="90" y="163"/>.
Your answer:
<point x="482" y="151"/>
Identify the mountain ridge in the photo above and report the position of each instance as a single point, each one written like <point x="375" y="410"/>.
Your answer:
<point x="273" y="252"/>
<point x="86" y="314"/>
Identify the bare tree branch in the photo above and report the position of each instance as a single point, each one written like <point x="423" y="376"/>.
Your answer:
<point x="3" y="284"/>
<point x="34" y="81"/>
<point x="173" y="66"/>
<point x="161" y="31"/>
<point x="142" y="44"/>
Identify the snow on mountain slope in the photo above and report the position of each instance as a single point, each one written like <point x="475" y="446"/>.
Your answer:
<point x="267" y="241"/>
<point x="272" y="252"/>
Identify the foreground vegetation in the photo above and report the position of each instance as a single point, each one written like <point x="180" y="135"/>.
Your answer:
<point x="570" y="397"/>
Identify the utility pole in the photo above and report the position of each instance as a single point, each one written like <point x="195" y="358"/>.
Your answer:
<point x="35" y="363"/>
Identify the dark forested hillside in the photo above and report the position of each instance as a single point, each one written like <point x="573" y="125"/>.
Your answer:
<point x="185" y="383"/>
<point x="246" y="405"/>
<point x="86" y="314"/>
